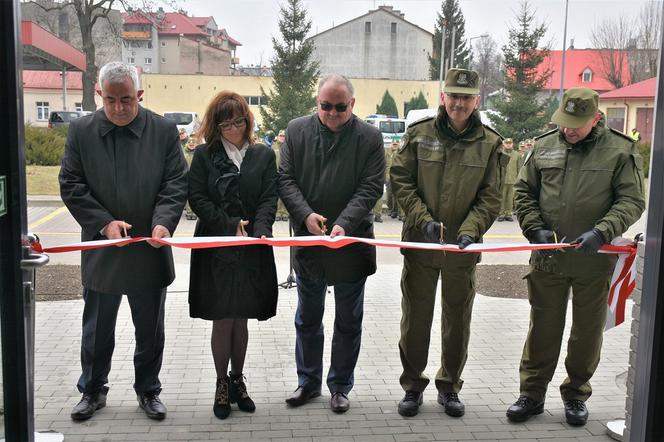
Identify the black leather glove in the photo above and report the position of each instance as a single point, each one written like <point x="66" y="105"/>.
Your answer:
<point x="589" y="242"/>
<point x="431" y="232"/>
<point x="541" y="236"/>
<point x="464" y="241"/>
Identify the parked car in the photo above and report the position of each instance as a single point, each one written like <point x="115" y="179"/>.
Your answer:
<point x="188" y="121"/>
<point x="392" y="128"/>
<point x="63" y="118"/>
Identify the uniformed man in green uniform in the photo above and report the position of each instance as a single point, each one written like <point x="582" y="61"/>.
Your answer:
<point x="511" y="174"/>
<point x="392" y="204"/>
<point x="282" y="213"/>
<point x="583" y="182"/>
<point x="188" y="147"/>
<point x="447" y="177"/>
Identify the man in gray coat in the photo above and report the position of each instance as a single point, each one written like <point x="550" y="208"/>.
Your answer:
<point x="123" y="174"/>
<point x="331" y="172"/>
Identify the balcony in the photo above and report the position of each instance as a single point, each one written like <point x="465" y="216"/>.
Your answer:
<point x="137" y="35"/>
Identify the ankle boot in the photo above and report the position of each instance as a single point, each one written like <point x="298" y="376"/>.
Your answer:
<point x="222" y="405"/>
<point x="238" y="393"/>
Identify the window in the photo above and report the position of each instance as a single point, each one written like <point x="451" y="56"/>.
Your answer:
<point x="163" y="44"/>
<point x="256" y="100"/>
<point x="130" y="60"/>
<point x="587" y="76"/>
<point x="148" y="60"/>
<point x="367" y="27"/>
<point x="393" y="27"/>
<point x="615" y="118"/>
<point x="42" y="110"/>
<point x="149" y="45"/>
<point x="78" y="107"/>
<point x="163" y="59"/>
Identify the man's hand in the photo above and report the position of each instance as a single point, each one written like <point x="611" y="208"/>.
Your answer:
<point x="337" y="230"/>
<point x="541" y="236"/>
<point x="432" y="232"/>
<point x="158" y="232"/>
<point x="315" y="224"/>
<point x="239" y="230"/>
<point x="116" y="230"/>
<point x="589" y="242"/>
<point x="464" y="241"/>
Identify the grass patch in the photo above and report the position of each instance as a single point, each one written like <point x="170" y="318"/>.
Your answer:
<point x="42" y="180"/>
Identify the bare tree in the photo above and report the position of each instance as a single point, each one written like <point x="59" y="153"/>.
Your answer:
<point x="612" y="37"/>
<point x="486" y="61"/>
<point x="643" y="53"/>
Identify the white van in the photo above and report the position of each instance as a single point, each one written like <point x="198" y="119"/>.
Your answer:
<point x="185" y="120"/>
<point x="392" y="128"/>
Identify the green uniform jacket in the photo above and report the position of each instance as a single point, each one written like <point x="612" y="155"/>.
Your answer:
<point x="455" y="179"/>
<point x="570" y="189"/>
<point x="512" y="169"/>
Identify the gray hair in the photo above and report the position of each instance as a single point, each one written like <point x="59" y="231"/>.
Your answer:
<point x="117" y="72"/>
<point x="337" y="79"/>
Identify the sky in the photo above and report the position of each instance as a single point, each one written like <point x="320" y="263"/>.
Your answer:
<point x="254" y="22"/>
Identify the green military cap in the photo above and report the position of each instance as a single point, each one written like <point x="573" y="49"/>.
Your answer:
<point x="579" y="106"/>
<point x="462" y="81"/>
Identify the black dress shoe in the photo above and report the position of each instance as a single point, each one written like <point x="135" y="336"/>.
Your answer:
<point x="222" y="404"/>
<point x="509" y="218"/>
<point x="453" y="405"/>
<point x="238" y="393"/>
<point x="89" y="403"/>
<point x="153" y="406"/>
<point x="523" y="408"/>
<point x="576" y="412"/>
<point x="410" y="404"/>
<point x="339" y="402"/>
<point x="301" y="396"/>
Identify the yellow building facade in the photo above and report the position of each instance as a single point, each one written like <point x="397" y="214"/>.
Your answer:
<point x="192" y="93"/>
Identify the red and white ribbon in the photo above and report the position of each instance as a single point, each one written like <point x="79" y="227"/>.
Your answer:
<point x="622" y="281"/>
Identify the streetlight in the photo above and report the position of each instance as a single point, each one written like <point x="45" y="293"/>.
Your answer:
<point x="470" y="43"/>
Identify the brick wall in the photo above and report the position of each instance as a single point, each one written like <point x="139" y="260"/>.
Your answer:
<point x="636" y="312"/>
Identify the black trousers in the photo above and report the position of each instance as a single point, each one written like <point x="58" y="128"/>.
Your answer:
<point x="98" y="340"/>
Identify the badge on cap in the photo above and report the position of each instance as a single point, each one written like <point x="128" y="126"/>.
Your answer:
<point x="462" y="79"/>
<point x="570" y="107"/>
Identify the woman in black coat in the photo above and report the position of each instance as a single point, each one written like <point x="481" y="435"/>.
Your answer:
<point x="233" y="190"/>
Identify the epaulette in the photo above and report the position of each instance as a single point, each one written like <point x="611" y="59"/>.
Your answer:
<point x="625" y="136"/>
<point x="545" y="134"/>
<point x="420" y="120"/>
<point x="486" y="126"/>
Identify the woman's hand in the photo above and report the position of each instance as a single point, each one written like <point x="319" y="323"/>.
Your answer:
<point x="239" y="231"/>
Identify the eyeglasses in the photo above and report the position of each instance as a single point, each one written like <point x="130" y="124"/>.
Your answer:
<point x="238" y="122"/>
<point x="462" y="97"/>
<point x="339" y="107"/>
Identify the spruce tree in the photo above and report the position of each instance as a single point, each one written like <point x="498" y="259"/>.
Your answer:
<point x="419" y="102"/>
<point x="294" y="71"/>
<point x="451" y="14"/>
<point x="521" y="112"/>
<point x="387" y="106"/>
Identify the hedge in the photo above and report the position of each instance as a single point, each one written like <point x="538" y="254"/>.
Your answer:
<point x="43" y="146"/>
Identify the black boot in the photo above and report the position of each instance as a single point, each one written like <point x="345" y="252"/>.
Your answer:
<point x="222" y="405"/>
<point x="89" y="403"/>
<point x="576" y="412"/>
<point x="523" y="408"/>
<point x="238" y="393"/>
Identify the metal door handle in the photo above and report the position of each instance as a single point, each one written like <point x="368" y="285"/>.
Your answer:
<point x="34" y="260"/>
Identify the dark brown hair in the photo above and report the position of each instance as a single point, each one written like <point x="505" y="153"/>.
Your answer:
<point x="226" y="105"/>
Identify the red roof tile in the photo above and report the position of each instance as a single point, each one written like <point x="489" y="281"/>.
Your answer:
<point x="52" y="80"/>
<point x="200" y="21"/>
<point x="176" y="24"/>
<point x="642" y="89"/>
<point x="576" y="61"/>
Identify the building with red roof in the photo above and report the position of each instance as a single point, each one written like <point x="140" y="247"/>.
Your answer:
<point x="174" y="43"/>
<point x="584" y="67"/>
<point x="631" y="107"/>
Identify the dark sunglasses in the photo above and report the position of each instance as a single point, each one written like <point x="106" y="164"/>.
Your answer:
<point x="238" y="122"/>
<point x="339" y="107"/>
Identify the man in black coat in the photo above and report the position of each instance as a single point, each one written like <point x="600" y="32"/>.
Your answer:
<point x="331" y="172"/>
<point x="123" y="173"/>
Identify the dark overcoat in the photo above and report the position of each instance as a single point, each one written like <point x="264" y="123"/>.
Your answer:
<point x="340" y="176"/>
<point x="233" y="282"/>
<point x="135" y="173"/>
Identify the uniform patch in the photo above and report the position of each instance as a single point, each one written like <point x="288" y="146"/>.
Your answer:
<point x="430" y="144"/>
<point x="551" y="154"/>
<point x="404" y="142"/>
<point x="462" y="79"/>
<point x="570" y="107"/>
